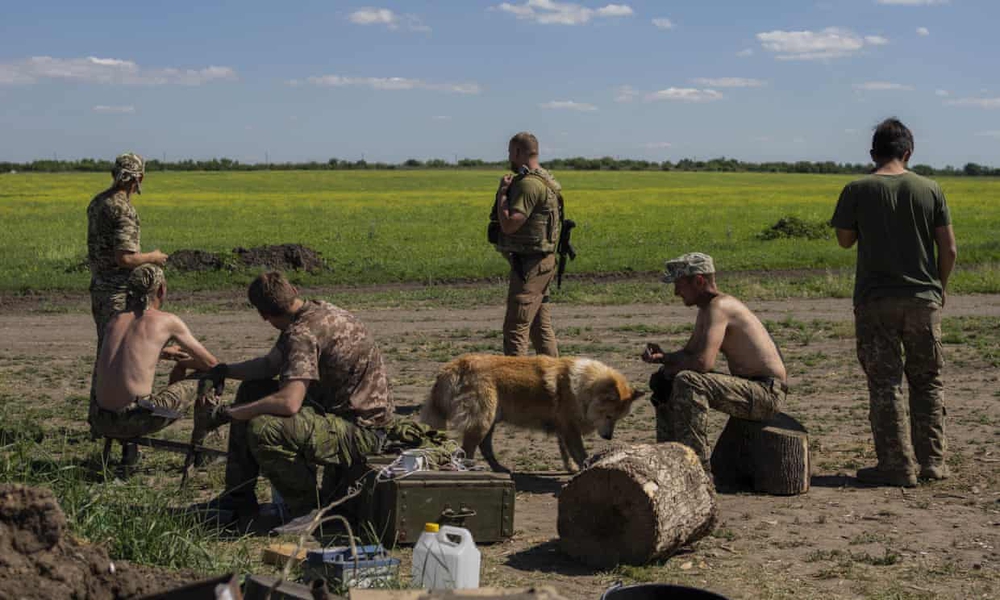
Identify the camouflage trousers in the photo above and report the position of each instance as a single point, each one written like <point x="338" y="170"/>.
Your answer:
<point x="289" y="451"/>
<point x="134" y="420"/>
<point x="528" y="317"/>
<point x="103" y="306"/>
<point x="682" y="404"/>
<point x="897" y="337"/>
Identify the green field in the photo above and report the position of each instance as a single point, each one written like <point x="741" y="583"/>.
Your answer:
<point x="429" y="226"/>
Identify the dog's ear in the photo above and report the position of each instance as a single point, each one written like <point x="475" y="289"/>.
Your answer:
<point x="636" y="394"/>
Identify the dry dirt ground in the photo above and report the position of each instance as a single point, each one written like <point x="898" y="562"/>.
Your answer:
<point x="841" y="539"/>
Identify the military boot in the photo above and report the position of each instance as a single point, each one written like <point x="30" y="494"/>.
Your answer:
<point x="876" y="476"/>
<point x="935" y="472"/>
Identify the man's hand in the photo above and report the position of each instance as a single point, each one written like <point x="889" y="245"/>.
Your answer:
<point x="505" y="182"/>
<point x="653" y="354"/>
<point x="158" y="258"/>
<point x="174" y="353"/>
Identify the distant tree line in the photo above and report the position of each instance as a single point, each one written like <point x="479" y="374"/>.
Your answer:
<point x="607" y="163"/>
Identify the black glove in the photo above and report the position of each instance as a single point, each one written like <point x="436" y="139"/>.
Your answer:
<point x="209" y="418"/>
<point x="217" y="375"/>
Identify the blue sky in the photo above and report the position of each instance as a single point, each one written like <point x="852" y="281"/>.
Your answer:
<point x="769" y="80"/>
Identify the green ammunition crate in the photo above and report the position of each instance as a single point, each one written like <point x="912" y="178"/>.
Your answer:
<point x="480" y="501"/>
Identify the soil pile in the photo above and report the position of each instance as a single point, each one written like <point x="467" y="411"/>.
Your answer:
<point x="39" y="559"/>
<point x="286" y="257"/>
<point x="794" y="227"/>
<point x="195" y="260"/>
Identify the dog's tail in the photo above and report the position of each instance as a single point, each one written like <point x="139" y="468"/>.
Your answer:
<point x="439" y="404"/>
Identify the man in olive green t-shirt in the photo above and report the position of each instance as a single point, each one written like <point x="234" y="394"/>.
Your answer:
<point x="897" y="218"/>
<point x="527" y="210"/>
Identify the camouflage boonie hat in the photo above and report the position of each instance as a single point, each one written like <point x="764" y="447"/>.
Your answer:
<point x="128" y="167"/>
<point x="143" y="282"/>
<point x="692" y="263"/>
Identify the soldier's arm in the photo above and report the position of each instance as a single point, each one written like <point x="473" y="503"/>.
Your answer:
<point x="264" y="367"/>
<point x="703" y="347"/>
<point x="199" y="359"/>
<point x="846" y="237"/>
<point x="286" y="402"/>
<point x="944" y="237"/>
<point x="131" y="260"/>
<point x="515" y="206"/>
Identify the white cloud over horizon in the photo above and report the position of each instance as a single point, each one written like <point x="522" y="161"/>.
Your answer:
<point x="730" y="82"/>
<point x="568" y="105"/>
<point x="923" y="31"/>
<point x="110" y="71"/>
<point x="384" y="16"/>
<point x="657" y="145"/>
<point x="389" y="83"/>
<point x="685" y="95"/>
<point x="550" y="12"/>
<point x="745" y="52"/>
<point x="988" y="103"/>
<point x="829" y="43"/>
<point x="114" y="110"/>
<point x="912" y="2"/>
<point x="882" y="86"/>
<point x="663" y="23"/>
<point x="942" y="93"/>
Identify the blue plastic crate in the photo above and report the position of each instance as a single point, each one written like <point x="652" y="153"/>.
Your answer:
<point x="373" y="567"/>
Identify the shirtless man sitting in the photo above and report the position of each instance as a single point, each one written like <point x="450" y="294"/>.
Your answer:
<point x="684" y="388"/>
<point x="133" y="343"/>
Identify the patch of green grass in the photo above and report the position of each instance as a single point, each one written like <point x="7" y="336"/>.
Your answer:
<point x="385" y="227"/>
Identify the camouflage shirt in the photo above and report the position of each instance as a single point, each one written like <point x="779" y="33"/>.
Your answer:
<point x="332" y="349"/>
<point x="112" y="225"/>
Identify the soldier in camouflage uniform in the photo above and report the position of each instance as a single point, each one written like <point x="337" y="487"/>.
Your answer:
<point x="685" y="388"/>
<point x="528" y="220"/>
<point x="897" y="219"/>
<point x="127" y="407"/>
<point x="329" y="406"/>
<point x="113" y="248"/>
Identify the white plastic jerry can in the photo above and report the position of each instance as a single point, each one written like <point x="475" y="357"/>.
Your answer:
<point x="446" y="557"/>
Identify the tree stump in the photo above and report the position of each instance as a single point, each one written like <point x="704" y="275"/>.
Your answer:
<point x="763" y="456"/>
<point x="634" y="504"/>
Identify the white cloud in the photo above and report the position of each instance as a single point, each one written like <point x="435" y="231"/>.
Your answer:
<point x="441" y="118"/>
<point x="923" y="31"/>
<point x="568" y="105"/>
<point x="942" y="93"/>
<point x="114" y="110"/>
<point x="832" y="42"/>
<point x="105" y="71"/>
<point x="626" y="93"/>
<point x="685" y="95"/>
<point x="745" y="52"/>
<point x="550" y="12"/>
<point x="384" y="16"/>
<point x="912" y="2"/>
<point x="657" y="145"/>
<point x="730" y="82"/>
<point x="663" y="23"/>
<point x="975" y="102"/>
<point x="992" y="133"/>
<point x="882" y="86"/>
<point x="390" y="83"/>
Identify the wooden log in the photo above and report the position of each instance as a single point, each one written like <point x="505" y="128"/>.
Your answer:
<point x="771" y="457"/>
<point x="635" y="504"/>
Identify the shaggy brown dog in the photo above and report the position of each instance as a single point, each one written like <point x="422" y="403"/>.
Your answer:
<point x="568" y="396"/>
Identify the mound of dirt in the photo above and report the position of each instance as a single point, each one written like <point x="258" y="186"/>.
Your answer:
<point x="38" y="559"/>
<point x="285" y="257"/>
<point x="794" y="227"/>
<point x="195" y="260"/>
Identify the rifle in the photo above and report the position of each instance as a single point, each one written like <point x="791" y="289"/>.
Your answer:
<point x="565" y="248"/>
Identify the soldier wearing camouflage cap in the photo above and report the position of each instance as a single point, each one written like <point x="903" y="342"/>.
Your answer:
<point x="319" y="398"/>
<point x="113" y="248"/>
<point x="685" y="387"/>
<point x="126" y="405"/>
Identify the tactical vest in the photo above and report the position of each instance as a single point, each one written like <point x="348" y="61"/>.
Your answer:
<point x="540" y="233"/>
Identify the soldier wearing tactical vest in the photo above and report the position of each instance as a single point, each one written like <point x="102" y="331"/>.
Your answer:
<point x="528" y="213"/>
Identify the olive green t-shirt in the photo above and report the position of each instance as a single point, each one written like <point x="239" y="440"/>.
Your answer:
<point x="526" y="192"/>
<point x="895" y="217"/>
